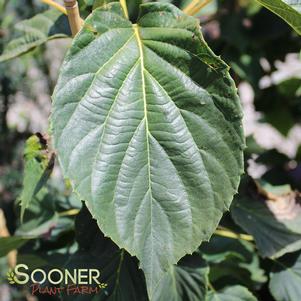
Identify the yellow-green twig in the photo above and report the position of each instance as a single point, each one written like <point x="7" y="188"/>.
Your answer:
<point x="56" y="6"/>
<point x="124" y="7"/>
<point x="69" y="212"/>
<point x="195" y="6"/>
<point x="230" y="234"/>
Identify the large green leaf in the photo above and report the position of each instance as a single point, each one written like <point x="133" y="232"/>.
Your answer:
<point x="36" y="31"/>
<point x="285" y="278"/>
<point x="275" y="224"/>
<point x="288" y="10"/>
<point x="38" y="167"/>
<point x="231" y="293"/>
<point x="147" y="126"/>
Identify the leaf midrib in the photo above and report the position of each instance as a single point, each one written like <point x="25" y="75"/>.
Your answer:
<point x="139" y="41"/>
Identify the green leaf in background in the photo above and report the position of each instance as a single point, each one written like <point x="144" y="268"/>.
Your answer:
<point x="125" y="282"/>
<point x="275" y="223"/>
<point x="288" y="10"/>
<point x="36" y="31"/>
<point x="42" y="218"/>
<point x="8" y="244"/>
<point x="281" y="104"/>
<point x="253" y="147"/>
<point x="285" y="278"/>
<point x="231" y="293"/>
<point x="38" y="166"/>
<point x="232" y="261"/>
<point x="147" y="125"/>
<point x="119" y="271"/>
<point x="90" y="2"/>
<point x="188" y="280"/>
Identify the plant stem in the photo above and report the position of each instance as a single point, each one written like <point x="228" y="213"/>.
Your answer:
<point x="69" y="212"/>
<point x="124" y="7"/>
<point x="195" y="6"/>
<point x="211" y="286"/>
<point x="230" y="234"/>
<point x="56" y="6"/>
<point x="74" y="18"/>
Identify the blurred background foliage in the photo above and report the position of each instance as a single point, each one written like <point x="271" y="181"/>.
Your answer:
<point x="264" y="55"/>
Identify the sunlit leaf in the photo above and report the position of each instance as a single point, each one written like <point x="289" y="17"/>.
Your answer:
<point x="147" y="126"/>
<point x="38" y="167"/>
<point x="36" y="31"/>
<point x="295" y="4"/>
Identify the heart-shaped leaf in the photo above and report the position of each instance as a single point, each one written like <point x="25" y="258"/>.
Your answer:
<point x="147" y="125"/>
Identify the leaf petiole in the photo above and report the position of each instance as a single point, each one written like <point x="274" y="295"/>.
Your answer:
<point x="195" y="6"/>
<point x="55" y="5"/>
<point x="124" y="8"/>
<point x="230" y="234"/>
